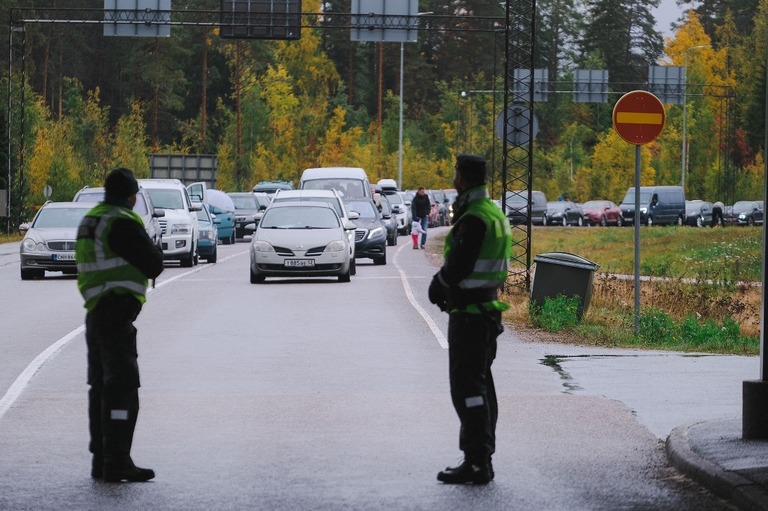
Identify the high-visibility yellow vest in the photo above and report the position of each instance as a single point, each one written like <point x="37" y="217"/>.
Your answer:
<point x="491" y="267"/>
<point x="99" y="269"/>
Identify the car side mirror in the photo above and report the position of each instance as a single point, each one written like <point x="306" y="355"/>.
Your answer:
<point x="196" y="206"/>
<point x="24" y="227"/>
<point x="250" y="227"/>
<point x="353" y="215"/>
<point x="396" y="209"/>
<point x="158" y="212"/>
<point x="386" y="216"/>
<point x="349" y="226"/>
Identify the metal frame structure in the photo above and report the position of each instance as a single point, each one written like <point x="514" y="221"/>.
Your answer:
<point x="518" y="47"/>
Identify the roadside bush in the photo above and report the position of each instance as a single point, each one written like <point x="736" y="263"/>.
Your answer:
<point x="555" y="314"/>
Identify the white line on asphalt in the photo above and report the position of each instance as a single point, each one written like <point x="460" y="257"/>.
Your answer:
<point x="18" y="386"/>
<point x="408" y="293"/>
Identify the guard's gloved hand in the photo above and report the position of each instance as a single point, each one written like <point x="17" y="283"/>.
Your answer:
<point x="437" y="294"/>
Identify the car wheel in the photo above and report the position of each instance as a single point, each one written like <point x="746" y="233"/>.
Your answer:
<point x="649" y="221"/>
<point x="750" y="221"/>
<point x="580" y="222"/>
<point x="699" y="221"/>
<point x="256" y="279"/>
<point x="391" y="240"/>
<point x="603" y="221"/>
<point x="353" y="267"/>
<point x="620" y="221"/>
<point x="195" y="258"/>
<point x="214" y="256"/>
<point x="345" y="277"/>
<point x="188" y="260"/>
<point x="565" y="222"/>
<point x="381" y="260"/>
<point x="27" y="274"/>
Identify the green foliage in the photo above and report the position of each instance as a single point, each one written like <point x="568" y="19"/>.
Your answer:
<point x="556" y="314"/>
<point x="657" y="329"/>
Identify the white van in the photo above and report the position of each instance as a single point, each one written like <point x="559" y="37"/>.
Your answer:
<point x="350" y="182"/>
<point x="179" y="225"/>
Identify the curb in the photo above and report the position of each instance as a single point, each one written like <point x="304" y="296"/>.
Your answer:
<point x="744" y="493"/>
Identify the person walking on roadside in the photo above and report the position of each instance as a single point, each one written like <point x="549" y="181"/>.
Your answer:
<point x="416" y="231"/>
<point x="420" y="208"/>
<point x="115" y="258"/>
<point x="477" y="251"/>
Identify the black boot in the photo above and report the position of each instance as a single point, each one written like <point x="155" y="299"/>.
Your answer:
<point x="115" y="472"/>
<point x="467" y="472"/>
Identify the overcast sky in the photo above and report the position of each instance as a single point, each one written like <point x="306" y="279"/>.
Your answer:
<point x="667" y="12"/>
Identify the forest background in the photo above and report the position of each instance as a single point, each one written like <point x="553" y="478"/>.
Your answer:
<point x="269" y="109"/>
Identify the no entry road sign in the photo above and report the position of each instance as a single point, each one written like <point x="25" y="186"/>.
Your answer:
<point x="639" y="117"/>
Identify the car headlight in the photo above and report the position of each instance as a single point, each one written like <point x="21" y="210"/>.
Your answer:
<point x="742" y="216"/>
<point x="207" y="235"/>
<point x="643" y="210"/>
<point x="262" y="246"/>
<point x="31" y="245"/>
<point x="181" y="229"/>
<point x="378" y="231"/>
<point x="335" y="246"/>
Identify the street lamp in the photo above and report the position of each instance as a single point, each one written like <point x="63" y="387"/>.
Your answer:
<point x="684" y="162"/>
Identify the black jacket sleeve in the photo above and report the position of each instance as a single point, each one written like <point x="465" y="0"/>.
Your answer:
<point x="130" y="241"/>
<point x="467" y="240"/>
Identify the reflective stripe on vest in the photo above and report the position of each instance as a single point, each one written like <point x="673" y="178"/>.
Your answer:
<point x="100" y="270"/>
<point x="490" y="269"/>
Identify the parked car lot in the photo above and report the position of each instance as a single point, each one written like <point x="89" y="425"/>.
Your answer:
<point x="49" y="240"/>
<point x="300" y="239"/>
<point x="698" y="213"/>
<point x="144" y="207"/>
<point x="602" y="212"/>
<point x="371" y="234"/>
<point x="564" y="213"/>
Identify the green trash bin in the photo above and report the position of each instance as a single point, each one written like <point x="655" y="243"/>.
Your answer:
<point x="562" y="273"/>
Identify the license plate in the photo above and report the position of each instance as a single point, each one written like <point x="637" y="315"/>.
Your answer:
<point x="299" y="263"/>
<point x="64" y="257"/>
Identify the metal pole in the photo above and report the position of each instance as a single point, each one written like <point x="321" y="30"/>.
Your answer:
<point x="637" y="238"/>
<point x="764" y="298"/>
<point x="400" y="129"/>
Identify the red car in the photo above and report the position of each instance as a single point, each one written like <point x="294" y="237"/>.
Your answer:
<point x="602" y="212"/>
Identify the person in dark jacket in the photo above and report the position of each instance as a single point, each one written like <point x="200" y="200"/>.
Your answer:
<point x="115" y="259"/>
<point x="420" y="208"/>
<point x="477" y="252"/>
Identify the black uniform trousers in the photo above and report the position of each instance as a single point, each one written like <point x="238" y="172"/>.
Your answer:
<point x="113" y="374"/>
<point x="471" y="351"/>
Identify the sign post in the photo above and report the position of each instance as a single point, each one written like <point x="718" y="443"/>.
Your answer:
<point x="638" y="118"/>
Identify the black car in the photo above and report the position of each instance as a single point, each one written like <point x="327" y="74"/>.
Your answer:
<point x="247" y="206"/>
<point x="748" y="212"/>
<point x="564" y="213"/>
<point x="389" y="220"/>
<point x="698" y="213"/>
<point x="371" y="233"/>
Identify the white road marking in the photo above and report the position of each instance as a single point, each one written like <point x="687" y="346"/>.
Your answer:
<point x="18" y="386"/>
<point x="409" y="294"/>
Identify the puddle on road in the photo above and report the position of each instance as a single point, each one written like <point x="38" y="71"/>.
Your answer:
<point x="570" y="385"/>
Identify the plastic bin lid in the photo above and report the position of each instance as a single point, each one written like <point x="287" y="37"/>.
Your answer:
<point x="566" y="259"/>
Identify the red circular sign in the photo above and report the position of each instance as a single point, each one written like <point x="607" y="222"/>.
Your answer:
<point x="639" y="117"/>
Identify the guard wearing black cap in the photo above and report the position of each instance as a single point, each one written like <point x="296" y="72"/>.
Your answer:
<point x="115" y="259"/>
<point x="477" y="251"/>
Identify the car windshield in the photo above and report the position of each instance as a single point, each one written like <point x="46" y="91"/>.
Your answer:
<point x="629" y="198"/>
<point x="395" y="199"/>
<point x="167" y="198"/>
<point x="595" y="204"/>
<point x="519" y="197"/>
<point x="362" y="208"/>
<point x="245" y="201"/>
<point x="743" y="207"/>
<point x="90" y="197"/>
<point x="385" y="207"/>
<point x="59" y="217"/>
<point x="345" y="187"/>
<point x="304" y="217"/>
<point x="556" y="206"/>
<point x="203" y="216"/>
<point x="331" y="201"/>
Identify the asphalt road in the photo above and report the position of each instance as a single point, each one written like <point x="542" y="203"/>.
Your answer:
<point x="315" y="394"/>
